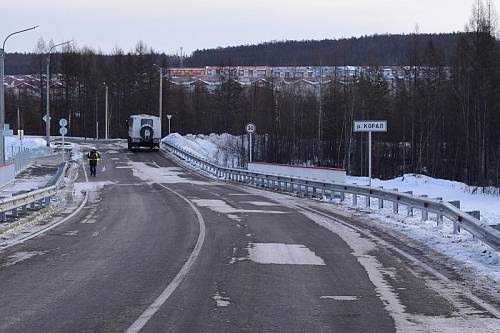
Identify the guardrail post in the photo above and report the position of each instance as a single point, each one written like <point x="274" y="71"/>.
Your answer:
<point x="425" y="212"/>
<point x="354" y="199"/>
<point x="342" y="196"/>
<point x="47" y="200"/>
<point x="14" y="212"/>
<point x="409" y="209"/>
<point x="456" y="226"/>
<point x="380" y="200"/>
<point x="2" y="216"/>
<point x="475" y="214"/>
<point x="24" y="209"/>
<point x="395" y="203"/>
<point x="33" y="205"/>
<point x="439" y="216"/>
<point x="41" y="203"/>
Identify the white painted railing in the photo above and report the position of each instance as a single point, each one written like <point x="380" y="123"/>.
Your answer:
<point x="468" y="221"/>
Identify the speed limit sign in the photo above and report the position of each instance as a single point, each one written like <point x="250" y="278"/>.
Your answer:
<point x="250" y="128"/>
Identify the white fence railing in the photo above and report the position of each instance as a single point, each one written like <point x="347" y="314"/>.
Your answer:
<point x="34" y="199"/>
<point x="23" y="157"/>
<point x="468" y="221"/>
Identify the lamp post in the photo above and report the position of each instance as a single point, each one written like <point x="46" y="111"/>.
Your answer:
<point x="47" y="115"/>
<point x="2" y="94"/>
<point x="169" y="116"/>
<point x="160" y="98"/>
<point x="106" y="128"/>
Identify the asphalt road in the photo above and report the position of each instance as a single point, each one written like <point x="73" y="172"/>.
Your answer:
<point x="158" y="248"/>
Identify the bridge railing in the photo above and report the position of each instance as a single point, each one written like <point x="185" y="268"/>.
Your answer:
<point x="468" y="221"/>
<point x="34" y="199"/>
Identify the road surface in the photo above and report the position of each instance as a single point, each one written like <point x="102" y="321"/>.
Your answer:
<point x="159" y="248"/>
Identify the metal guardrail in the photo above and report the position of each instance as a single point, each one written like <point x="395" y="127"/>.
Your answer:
<point x="468" y="221"/>
<point x="34" y="199"/>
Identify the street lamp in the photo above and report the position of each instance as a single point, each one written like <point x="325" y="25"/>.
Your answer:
<point x="169" y="116"/>
<point x="106" y="129"/>
<point x="2" y="94"/>
<point x="47" y="121"/>
<point x="160" y="99"/>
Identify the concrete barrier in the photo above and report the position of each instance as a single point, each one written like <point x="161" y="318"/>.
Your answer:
<point x="310" y="173"/>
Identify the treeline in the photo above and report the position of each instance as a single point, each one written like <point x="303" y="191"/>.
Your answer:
<point x="382" y="50"/>
<point x="444" y="118"/>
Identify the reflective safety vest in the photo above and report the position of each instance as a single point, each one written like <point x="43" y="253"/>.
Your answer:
<point x="93" y="156"/>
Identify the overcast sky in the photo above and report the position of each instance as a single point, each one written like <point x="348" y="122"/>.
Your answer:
<point x="166" y="25"/>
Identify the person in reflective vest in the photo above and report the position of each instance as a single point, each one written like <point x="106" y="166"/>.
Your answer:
<point x="93" y="156"/>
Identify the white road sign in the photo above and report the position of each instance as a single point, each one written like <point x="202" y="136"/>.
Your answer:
<point x="370" y="126"/>
<point x="250" y="128"/>
<point x="63" y="131"/>
<point x="63" y="122"/>
<point x="45" y="118"/>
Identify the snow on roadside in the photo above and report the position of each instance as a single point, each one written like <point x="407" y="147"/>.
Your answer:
<point x="487" y="204"/>
<point x="461" y="247"/>
<point x="220" y="149"/>
<point x="223" y="149"/>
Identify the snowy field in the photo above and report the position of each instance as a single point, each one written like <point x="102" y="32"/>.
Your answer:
<point x="462" y="247"/>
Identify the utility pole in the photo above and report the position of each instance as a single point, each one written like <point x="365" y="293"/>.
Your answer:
<point x="18" y="120"/>
<point x="106" y="128"/>
<point x="2" y="94"/>
<point x="182" y="59"/>
<point x="47" y="123"/>
<point x="320" y="115"/>
<point x="96" y="120"/>
<point x="160" y="98"/>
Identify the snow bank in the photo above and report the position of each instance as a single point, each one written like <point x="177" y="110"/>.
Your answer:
<point x="487" y="204"/>
<point x="223" y="149"/>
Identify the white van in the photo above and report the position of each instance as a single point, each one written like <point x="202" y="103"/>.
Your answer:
<point x="143" y="131"/>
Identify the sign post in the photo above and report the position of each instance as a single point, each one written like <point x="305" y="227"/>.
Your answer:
<point x="370" y="126"/>
<point x="250" y="128"/>
<point x="20" y="134"/>
<point x="63" y="131"/>
<point x="169" y="116"/>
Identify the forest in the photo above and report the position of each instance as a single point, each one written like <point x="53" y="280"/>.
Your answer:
<point x="443" y="115"/>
